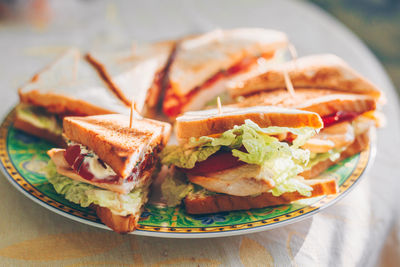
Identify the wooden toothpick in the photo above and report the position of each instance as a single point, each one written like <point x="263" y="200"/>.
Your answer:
<point x="293" y="51"/>
<point x="288" y="82"/>
<point x="219" y="105"/>
<point x="134" y="113"/>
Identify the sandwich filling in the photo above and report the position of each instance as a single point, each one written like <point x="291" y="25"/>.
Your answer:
<point x="175" y="104"/>
<point x="245" y="160"/>
<point x="332" y="140"/>
<point x="86" y="194"/>
<point x="40" y="118"/>
<point x="82" y="164"/>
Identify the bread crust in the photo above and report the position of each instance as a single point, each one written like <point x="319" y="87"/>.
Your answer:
<point x="61" y="104"/>
<point x="118" y="223"/>
<point x="334" y="103"/>
<point x="193" y="64"/>
<point x="39" y="132"/>
<point x="360" y="143"/>
<point x="324" y="71"/>
<point x="220" y="124"/>
<point x="323" y="102"/>
<point x="222" y="202"/>
<point x="110" y="137"/>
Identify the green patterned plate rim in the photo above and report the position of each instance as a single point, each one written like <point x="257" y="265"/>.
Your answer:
<point x="23" y="158"/>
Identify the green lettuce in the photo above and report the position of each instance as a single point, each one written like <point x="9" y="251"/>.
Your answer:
<point x="316" y="158"/>
<point x="40" y="118"/>
<point x="175" y="188"/>
<point x="86" y="194"/>
<point x="279" y="160"/>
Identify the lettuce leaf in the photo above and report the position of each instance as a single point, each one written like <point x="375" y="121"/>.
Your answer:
<point x="185" y="157"/>
<point x="175" y="188"/>
<point x="40" y="118"/>
<point x="316" y="158"/>
<point x="87" y="194"/>
<point x="279" y="160"/>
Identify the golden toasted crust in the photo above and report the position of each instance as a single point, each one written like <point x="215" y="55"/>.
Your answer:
<point x="323" y="71"/>
<point x="323" y="102"/>
<point x="196" y="204"/>
<point x="118" y="223"/>
<point x="333" y="103"/>
<point x="208" y="125"/>
<point x="61" y="104"/>
<point x="110" y="137"/>
<point x="39" y="132"/>
<point x="360" y="143"/>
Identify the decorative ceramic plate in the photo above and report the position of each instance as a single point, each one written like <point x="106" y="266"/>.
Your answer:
<point x="23" y="158"/>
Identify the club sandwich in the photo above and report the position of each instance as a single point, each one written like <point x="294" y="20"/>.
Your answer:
<point x="241" y="158"/>
<point x="69" y="86"/>
<point x="108" y="165"/>
<point x="324" y="84"/>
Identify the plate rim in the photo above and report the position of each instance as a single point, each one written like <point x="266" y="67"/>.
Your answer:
<point x="363" y="165"/>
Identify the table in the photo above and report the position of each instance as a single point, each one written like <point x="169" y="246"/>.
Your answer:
<point x="350" y="233"/>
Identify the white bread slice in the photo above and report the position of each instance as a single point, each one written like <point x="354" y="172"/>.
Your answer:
<point x="322" y="71"/>
<point x="199" y="58"/>
<point x="198" y="203"/>
<point x="118" y="223"/>
<point x="28" y="127"/>
<point x="324" y="102"/>
<point x="135" y="73"/>
<point x="70" y="85"/>
<point x="110" y="137"/>
<point x="239" y="181"/>
<point x="208" y="122"/>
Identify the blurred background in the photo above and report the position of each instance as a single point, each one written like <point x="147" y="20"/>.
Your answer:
<point x="376" y="22"/>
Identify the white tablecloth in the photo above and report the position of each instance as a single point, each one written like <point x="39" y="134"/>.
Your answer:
<point x="350" y="233"/>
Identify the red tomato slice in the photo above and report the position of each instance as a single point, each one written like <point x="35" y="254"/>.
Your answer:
<point x="219" y="161"/>
<point x="339" y="117"/>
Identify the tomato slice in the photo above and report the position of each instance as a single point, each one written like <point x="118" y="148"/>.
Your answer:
<point x="339" y="117"/>
<point x="173" y="103"/>
<point x="219" y="161"/>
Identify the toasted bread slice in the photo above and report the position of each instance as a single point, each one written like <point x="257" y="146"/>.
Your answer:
<point x="360" y="143"/>
<point x="208" y="122"/>
<point x="200" y="57"/>
<point x="323" y="102"/>
<point x="323" y="71"/>
<point x="135" y="73"/>
<point x="197" y="203"/>
<point x="38" y="132"/>
<point x="110" y="137"/>
<point x="118" y="223"/>
<point x="71" y="86"/>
